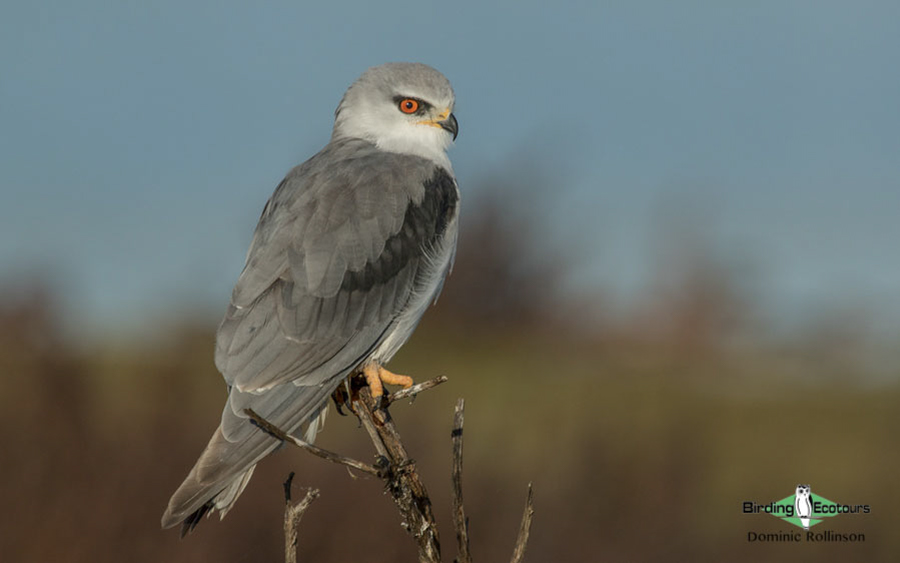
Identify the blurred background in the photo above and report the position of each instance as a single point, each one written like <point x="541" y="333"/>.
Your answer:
<point x="677" y="287"/>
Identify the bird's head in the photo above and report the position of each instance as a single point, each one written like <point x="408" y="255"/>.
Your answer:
<point x="401" y="107"/>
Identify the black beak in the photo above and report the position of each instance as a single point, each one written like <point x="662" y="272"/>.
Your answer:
<point x="450" y="124"/>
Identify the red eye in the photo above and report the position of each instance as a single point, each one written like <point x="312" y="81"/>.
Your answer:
<point x="409" y="105"/>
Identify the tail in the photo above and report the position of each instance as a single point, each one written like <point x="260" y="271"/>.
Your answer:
<point x="223" y="501"/>
<point x="224" y="468"/>
<point x="200" y="494"/>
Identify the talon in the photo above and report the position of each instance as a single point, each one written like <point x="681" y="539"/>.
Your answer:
<point x="340" y="399"/>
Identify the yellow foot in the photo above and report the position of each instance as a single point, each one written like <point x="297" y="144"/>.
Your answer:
<point x="376" y="376"/>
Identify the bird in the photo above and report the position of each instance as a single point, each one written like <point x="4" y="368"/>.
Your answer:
<point x="802" y="505"/>
<point x="350" y="250"/>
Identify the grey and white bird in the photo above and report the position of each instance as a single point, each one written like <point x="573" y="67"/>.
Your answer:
<point x="350" y="250"/>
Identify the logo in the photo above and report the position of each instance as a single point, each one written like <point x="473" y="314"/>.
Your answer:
<point x="804" y="510"/>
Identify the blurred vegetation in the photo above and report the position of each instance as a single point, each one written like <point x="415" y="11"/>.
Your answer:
<point x="642" y="435"/>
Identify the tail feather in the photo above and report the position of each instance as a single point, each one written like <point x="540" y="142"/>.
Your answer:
<point x="225" y="467"/>
<point x="221" y="502"/>
<point x="225" y="500"/>
<point x="193" y="518"/>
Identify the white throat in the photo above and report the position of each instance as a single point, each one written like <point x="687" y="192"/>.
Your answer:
<point x="419" y="140"/>
<point x="391" y="134"/>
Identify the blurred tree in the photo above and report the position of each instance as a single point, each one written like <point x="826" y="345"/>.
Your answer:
<point x="505" y="272"/>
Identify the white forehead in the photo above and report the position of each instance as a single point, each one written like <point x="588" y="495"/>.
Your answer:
<point x="401" y="79"/>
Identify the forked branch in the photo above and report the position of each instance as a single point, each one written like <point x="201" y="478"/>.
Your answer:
<point x="402" y="480"/>
<point x="280" y="434"/>
<point x="292" y="515"/>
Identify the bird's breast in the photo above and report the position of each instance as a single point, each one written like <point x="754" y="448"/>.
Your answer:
<point x="429" y="280"/>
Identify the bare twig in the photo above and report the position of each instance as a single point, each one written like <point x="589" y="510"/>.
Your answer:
<point x="403" y="481"/>
<point x="415" y="389"/>
<point x="292" y="515"/>
<point x="276" y="432"/>
<point x="365" y="417"/>
<point x="460" y="521"/>
<point x="525" y="528"/>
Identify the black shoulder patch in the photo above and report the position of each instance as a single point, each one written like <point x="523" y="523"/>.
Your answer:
<point x="439" y="203"/>
<point x="423" y="226"/>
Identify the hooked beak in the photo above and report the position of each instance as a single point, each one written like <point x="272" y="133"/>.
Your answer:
<point x="450" y="124"/>
<point x="446" y="121"/>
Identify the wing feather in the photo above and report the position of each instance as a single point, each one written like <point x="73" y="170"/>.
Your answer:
<point x="333" y="261"/>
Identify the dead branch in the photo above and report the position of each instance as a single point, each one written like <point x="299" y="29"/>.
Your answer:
<point x="524" y="528"/>
<point x="292" y="515"/>
<point x="415" y="389"/>
<point x="460" y="521"/>
<point x="401" y="477"/>
<point x="403" y="480"/>
<point x="278" y="433"/>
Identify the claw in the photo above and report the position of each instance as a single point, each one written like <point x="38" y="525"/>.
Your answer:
<point x="341" y="399"/>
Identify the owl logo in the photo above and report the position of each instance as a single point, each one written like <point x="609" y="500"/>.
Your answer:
<point x="803" y="504"/>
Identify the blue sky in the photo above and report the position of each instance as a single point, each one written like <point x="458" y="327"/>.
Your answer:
<point x="139" y="141"/>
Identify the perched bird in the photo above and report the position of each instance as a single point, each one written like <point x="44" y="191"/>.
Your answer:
<point x="350" y="250"/>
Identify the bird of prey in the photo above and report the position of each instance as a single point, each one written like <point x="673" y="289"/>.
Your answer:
<point x="350" y="250"/>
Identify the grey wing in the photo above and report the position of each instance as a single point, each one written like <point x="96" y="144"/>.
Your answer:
<point x="337" y="255"/>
